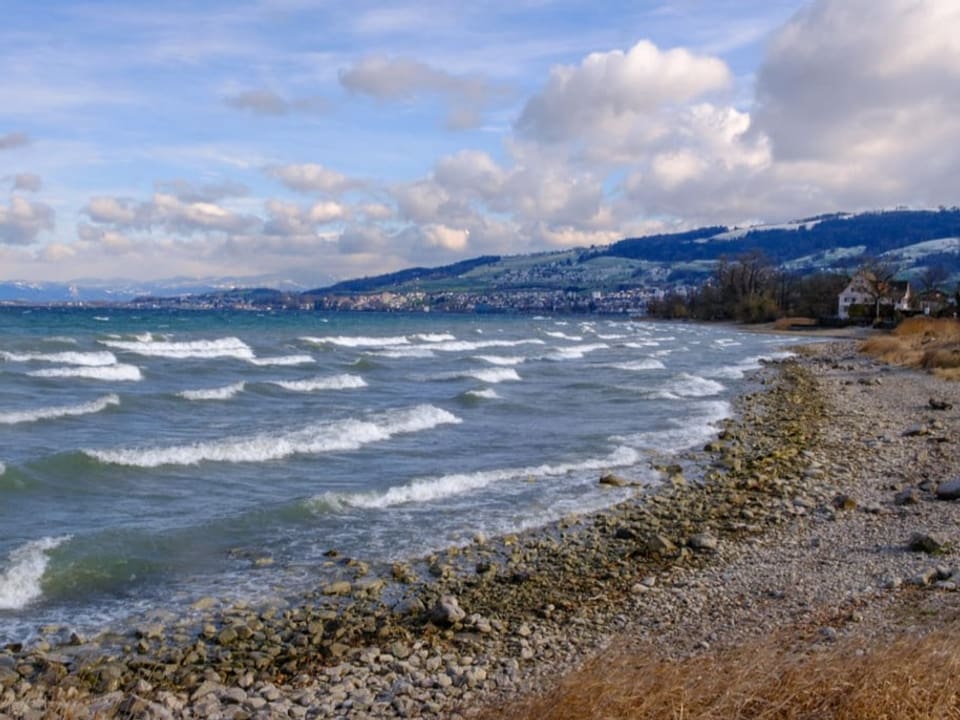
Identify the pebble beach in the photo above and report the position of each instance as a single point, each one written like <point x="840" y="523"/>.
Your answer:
<point x="826" y="505"/>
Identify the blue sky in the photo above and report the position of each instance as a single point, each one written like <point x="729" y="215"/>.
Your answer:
<point x="310" y="140"/>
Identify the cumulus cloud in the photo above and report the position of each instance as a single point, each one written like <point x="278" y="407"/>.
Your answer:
<point x="268" y="102"/>
<point x="612" y="91"/>
<point x="22" y="221"/>
<point x="866" y="110"/>
<point x="169" y="212"/>
<point x="313" y="178"/>
<point x="405" y="79"/>
<point x="188" y="191"/>
<point x="13" y="140"/>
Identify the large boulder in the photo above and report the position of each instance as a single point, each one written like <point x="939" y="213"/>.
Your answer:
<point x="447" y="611"/>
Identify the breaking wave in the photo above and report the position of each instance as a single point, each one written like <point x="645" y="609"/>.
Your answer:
<point x="49" y="413"/>
<point x="502" y="359"/>
<point x="335" y="382"/>
<point x="283" y="360"/>
<point x="202" y="349"/>
<point x="313" y="439"/>
<point x="20" y="582"/>
<point x="687" y="385"/>
<point x="111" y="373"/>
<point x="87" y="359"/>
<point x="218" y="393"/>
<point x="359" y="341"/>
<point x="637" y="365"/>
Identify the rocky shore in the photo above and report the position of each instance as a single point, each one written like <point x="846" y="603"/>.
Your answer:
<point x="824" y="509"/>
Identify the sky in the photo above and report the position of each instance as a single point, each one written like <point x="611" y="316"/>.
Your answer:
<point x="314" y="140"/>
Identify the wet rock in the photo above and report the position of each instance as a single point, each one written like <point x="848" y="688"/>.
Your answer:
<point x="447" y="611"/>
<point x="611" y="480"/>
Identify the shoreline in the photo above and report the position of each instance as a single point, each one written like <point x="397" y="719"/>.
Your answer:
<point x="492" y="621"/>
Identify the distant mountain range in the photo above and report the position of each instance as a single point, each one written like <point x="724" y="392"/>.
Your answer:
<point x="910" y="240"/>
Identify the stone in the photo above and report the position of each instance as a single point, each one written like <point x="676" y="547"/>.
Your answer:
<point x="844" y="502"/>
<point x="907" y="496"/>
<point x="611" y="480"/>
<point x="949" y="490"/>
<point x="447" y="611"/>
<point x="704" y="542"/>
<point x="936" y="404"/>
<point x="340" y="587"/>
<point x="661" y="545"/>
<point x="926" y="543"/>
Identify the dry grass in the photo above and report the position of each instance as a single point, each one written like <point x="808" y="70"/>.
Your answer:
<point x="910" y="679"/>
<point x="920" y="342"/>
<point x="785" y="323"/>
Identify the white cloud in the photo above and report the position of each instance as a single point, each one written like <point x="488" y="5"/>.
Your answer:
<point x="405" y="79"/>
<point x="446" y="238"/>
<point x="609" y="92"/>
<point x="22" y="221"/>
<point x="313" y="178"/>
<point x="27" y="182"/>
<point x="111" y="210"/>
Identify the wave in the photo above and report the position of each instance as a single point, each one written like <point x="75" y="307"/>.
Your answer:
<point x="20" y="583"/>
<point x="111" y="373"/>
<point x="283" y="360"/>
<point x="488" y="394"/>
<point x="434" y="337"/>
<point x="48" y="413"/>
<point x="576" y="352"/>
<point x="489" y="375"/>
<point x="406" y="352"/>
<point x="64" y="339"/>
<point x="502" y="359"/>
<point x="562" y="336"/>
<point x="334" y="382"/>
<point x="218" y="393"/>
<point x="202" y="349"/>
<point x="3" y="468"/>
<point x="357" y="341"/>
<point x="637" y="365"/>
<point x="468" y="346"/>
<point x="697" y="426"/>
<point x="438" y="488"/>
<point x="313" y="439"/>
<point x="687" y="385"/>
<point x="741" y="368"/>
<point x="87" y="359"/>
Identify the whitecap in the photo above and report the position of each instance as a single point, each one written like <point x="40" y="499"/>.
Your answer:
<point x="434" y="337"/>
<point x="563" y="336"/>
<point x="310" y="440"/>
<point x="502" y="359"/>
<point x="202" y="349"/>
<point x="218" y="393"/>
<point x="487" y="394"/>
<point x="746" y="365"/>
<point x="20" y="582"/>
<point x="687" y="385"/>
<point x="87" y="359"/>
<point x="110" y="373"/>
<point x="401" y="353"/>
<point x="487" y="375"/>
<point x="695" y="427"/>
<point x="49" y="413"/>
<point x="357" y="341"/>
<point x="467" y="346"/>
<point x="438" y="488"/>
<point x="638" y="365"/>
<point x="334" y="382"/>
<point x="576" y="352"/>
<point x="3" y="468"/>
<point x="283" y="360"/>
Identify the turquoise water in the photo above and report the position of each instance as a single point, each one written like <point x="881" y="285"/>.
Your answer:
<point x="148" y="459"/>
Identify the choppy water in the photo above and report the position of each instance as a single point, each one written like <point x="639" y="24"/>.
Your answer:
<point x="150" y="459"/>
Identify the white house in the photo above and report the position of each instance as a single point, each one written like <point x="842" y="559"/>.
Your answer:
<point x="862" y="290"/>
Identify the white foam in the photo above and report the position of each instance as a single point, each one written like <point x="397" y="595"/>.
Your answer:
<point x="333" y="382"/>
<point x="740" y="369"/>
<point x="488" y="394"/>
<point x="576" y="352"/>
<point x="218" y="393"/>
<point x="20" y="581"/>
<point x="642" y="344"/>
<point x="202" y="349"/>
<point x="102" y="318"/>
<point x="406" y="352"/>
<point x="637" y="365"/>
<point x="434" y="337"/>
<point x="687" y="385"/>
<point x="357" y="341"/>
<point x="65" y="339"/>
<point x="48" y="413"/>
<point x="502" y="360"/>
<point x="3" y="468"/>
<point x="492" y="375"/>
<point x="563" y="336"/>
<point x="310" y="440"/>
<point x="283" y="360"/>
<point x="88" y="359"/>
<point x="697" y="426"/>
<point x="111" y="373"/>
<point x="467" y="346"/>
<point x="438" y="488"/>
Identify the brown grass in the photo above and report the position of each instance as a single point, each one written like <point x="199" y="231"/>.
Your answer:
<point x="785" y="323"/>
<point x="909" y="679"/>
<point x="921" y="342"/>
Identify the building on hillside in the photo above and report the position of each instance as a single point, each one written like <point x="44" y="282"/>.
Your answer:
<point x="865" y="297"/>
